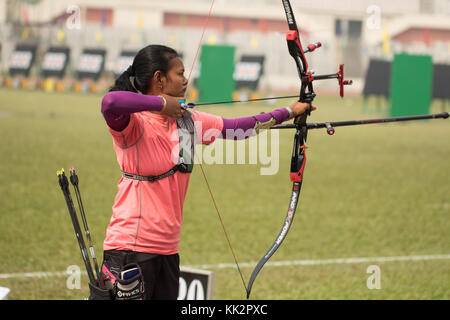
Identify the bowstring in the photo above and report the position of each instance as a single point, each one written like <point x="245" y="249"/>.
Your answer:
<point x="201" y="40"/>
<point x="223" y="226"/>
<point x="200" y="164"/>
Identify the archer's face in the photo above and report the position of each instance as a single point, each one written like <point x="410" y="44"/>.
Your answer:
<point x="175" y="83"/>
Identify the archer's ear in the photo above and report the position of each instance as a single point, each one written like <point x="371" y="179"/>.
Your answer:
<point x="157" y="76"/>
<point x="158" y="80"/>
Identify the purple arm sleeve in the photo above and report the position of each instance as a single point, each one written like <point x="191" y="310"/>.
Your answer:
<point x="238" y="128"/>
<point x="118" y="105"/>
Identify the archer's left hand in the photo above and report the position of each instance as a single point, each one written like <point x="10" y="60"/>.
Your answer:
<point x="299" y="108"/>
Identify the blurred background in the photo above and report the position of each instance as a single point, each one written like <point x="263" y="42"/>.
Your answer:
<point x="81" y="45"/>
<point x="377" y="191"/>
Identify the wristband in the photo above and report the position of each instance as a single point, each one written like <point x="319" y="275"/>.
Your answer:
<point x="164" y="102"/>
<point x="291" y="113"/>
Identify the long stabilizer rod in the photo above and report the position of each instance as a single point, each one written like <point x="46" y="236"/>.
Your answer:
<point x="331" y="125"/>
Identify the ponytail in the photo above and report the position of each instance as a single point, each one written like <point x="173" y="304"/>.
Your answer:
<point x="123" y="82"/>
<point x="137" y="77"/>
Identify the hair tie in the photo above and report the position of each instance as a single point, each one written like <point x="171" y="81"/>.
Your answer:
<point x="132" y="78"/>
<point x="131" y="71"/>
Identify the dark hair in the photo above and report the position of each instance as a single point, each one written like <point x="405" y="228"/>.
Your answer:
<point x="146" y="62"/>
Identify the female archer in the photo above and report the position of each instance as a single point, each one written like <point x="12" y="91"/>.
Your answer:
<point x="154" y="137"/>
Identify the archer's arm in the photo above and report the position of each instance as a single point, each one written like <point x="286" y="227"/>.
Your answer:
<point x="118" y="105"/>
<point x="242" y="128"/>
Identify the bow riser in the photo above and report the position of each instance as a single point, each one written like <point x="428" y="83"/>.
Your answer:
<point x="296" y="51"/>
<point x="298" y="160"/>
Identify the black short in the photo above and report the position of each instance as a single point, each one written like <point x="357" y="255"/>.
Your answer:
<point x="161" y="273"/>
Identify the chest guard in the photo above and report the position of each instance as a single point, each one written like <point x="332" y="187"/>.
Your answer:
<point x="187" y="137"/>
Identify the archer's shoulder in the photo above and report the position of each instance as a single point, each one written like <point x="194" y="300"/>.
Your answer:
<point x="207" y="120"/>
<point x="202" y="116"/>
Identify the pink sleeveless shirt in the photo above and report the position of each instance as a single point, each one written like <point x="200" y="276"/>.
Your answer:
<point x="146" y="215"/>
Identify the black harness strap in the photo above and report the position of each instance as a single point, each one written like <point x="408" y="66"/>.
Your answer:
<point x="179" y="167"/>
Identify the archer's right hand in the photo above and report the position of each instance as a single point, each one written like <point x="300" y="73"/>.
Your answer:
<point x="172" y="107"/>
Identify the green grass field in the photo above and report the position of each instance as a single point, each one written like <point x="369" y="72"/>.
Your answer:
<point x="369" y="191"/>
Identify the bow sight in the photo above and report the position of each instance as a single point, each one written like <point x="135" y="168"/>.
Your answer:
<point x="309" y="75"/>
